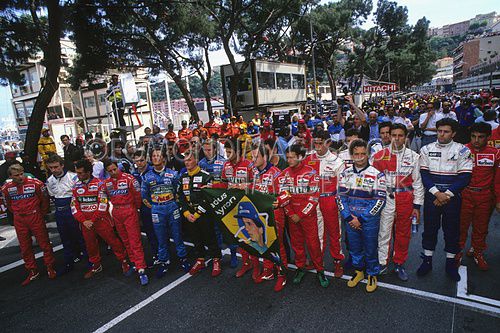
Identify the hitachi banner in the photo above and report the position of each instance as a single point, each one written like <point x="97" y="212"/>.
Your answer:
<point x="390" y="87"/>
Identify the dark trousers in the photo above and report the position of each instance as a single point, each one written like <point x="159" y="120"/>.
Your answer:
<point x="202" y="233"/>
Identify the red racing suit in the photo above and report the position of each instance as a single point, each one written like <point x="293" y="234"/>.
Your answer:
<point x="480" y="196"/>
<point x="299" y="193"/>
<point x="90" y="202"/>
<point x="405" y="192"/>
<point x="29" y="202"/>
<point x="494" y="140"/>
<point x="264" y="181"/>
<point x="328" y="167"/>
<point x="124" y="193"/>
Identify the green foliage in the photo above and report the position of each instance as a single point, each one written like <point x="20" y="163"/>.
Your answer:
<point x="444" y="46"/>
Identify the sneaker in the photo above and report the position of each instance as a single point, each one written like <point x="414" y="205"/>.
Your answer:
<point x="127" y="269"/>
<point x="216" y="270"/>
<point x="470" y="252"/>
<point x="162" y="270"/>
<point x="353" y="282"/>
<point x="400" y="270"/>
<point x="280" y="283"/>
<point x="197" y="267"/>
<point x="372" y="283"/>
<point x="452" y="269"/>
<point x="338" y="270"/>
<point x="323" y="281"/>
<point x="51" y="272"/>
<point x="156" y="261"/>
<point x="234" y="259"/>
<point x="186" y="266"/>
<point x="143" y="278"/>
<point x="65" y="269"/>
<point x="32" y="275"/>
<point x="383" y="270"/>
<point x="244" y="268"/>
<point x="93" y="271"/>
<point x="267" y="275"/>
<point x="480" y="261"/>
<point x="299" y="276"/>
<point x="426" y="265"/>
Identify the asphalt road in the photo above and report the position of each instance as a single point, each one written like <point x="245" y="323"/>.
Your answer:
<point x="113" y="302"/>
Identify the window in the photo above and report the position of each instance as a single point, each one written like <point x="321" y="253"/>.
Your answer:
<point x="298" y="81"/>
<point x="266" y="80"/>
<point x="245" y="83"/>
<point x="89" y="102"/>
<point x="283" y="81"/>
<point x="143" y="95"/>
<point x="54" y="112"/>
<point x="67" y="110"/>
<point x="102" y="99"/>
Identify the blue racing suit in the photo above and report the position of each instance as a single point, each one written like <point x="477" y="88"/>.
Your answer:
<point x="160" y="188"/>
<point x="147" y="222"/>
<point x="444" y="168"/>
<point x="60" y="188"/>
<point x="361" y="194"/>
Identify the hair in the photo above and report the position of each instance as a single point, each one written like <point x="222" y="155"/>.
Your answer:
<point x="262" y="148"/>
<point x="322" y="135"/>
<point x="297" y="149"/>
<point x="356" y="144"/>
<point x="140" y="153"/>
<point x="54" y="158"/>
<point x="270" y="142"/>
<point x="481" y="127"/>
<point x="284" y="132"/>
<point x="399" y="126"/>
<point x="107" y="162"/>
<point x="489" y="115"/>
<point x="351" y="132"/>
<point x="384" y="124"/>
<point x="15" y="167"/>
<point x="64" y="136"/>
<point x="448" y="122"/>
<point x="192" y="153"/>
<point x="86" y="165"/>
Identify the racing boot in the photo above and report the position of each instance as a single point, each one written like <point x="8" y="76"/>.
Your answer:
<point x="247" y="265"/>
<point x="299" y="276"/>
<point x="162" y="269"/>
<point x="338" y="270"/>
<point x="267" y="274"/>
<point x="470" y="253"/>
<point x="372" y="283"/>
<point x="426" y="265"/>
<point x="234" y="259"/>
<point x="280" y="281"/>
<point x="143" y="278"/>
<point x="353" y="282"/>
<point x="93" y="271"/>
<point x="480" y="261"/>
<point x="400" y="270"/>
<point x="452" y="269"/>
<point x="198" y="266"/>
<point x="127" y="269"/>
<point x="216" y="270"/>
<point x="256" y="268"/>
<point x="186" y="266"/>
<point x="323" y="281"/>
<point x="51" y="272"/>
<point x="32" y="275"/>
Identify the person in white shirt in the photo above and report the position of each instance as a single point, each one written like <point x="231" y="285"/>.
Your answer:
<point x="97" y="166"/>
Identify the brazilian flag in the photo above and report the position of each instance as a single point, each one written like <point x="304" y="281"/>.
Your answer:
<point x="245" y="219"/>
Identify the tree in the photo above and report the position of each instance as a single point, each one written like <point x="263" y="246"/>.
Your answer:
<point x="25" y="36"/>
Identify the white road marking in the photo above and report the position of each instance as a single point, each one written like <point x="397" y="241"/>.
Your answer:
<point x="462" y="291"/>
<point x="427" y="295"/>
<point x="21" y="262"/>
<point x="148" y="300"/>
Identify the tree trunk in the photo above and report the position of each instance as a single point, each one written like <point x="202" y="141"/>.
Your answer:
<point x="331" y="82"/>
<point x="185" y="93"/>
<point x="52" y="63"/>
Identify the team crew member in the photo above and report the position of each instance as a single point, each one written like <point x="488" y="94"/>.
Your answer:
<point x="350" y="135"/>
<point x="212" y="162"/>
<point x="237" y="173"/>
<point x="89" y="206"/>
<point x="141" y="169"/>
<point x="446" y="168"/>
<point x="159" y="188"/>
<point x="298" y="186"/>
<point x="480" y="196"/>
<point x="264" y="181"/>
<point x="384" y="140"/>
<point x="201" y="228"/>
<point x="124" y="193"/>
<point x="60" y="187"/>
<point x="405" y="196"/>
<point x="329" y="167"/>
<point x="362" y="194"/>
<point x="28" y="201"/>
